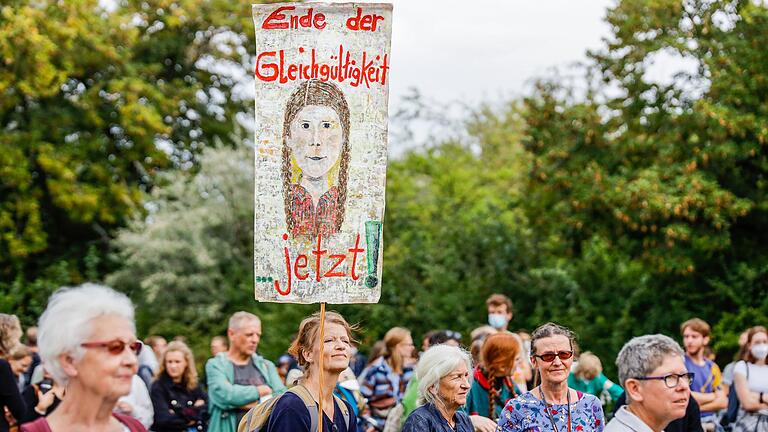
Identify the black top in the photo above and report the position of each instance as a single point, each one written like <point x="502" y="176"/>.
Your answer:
<point x="690" y="423"/>
<point x="427" y="418"/>
<point x="175" y="408"/>
<point x="9" y="395"/>
<point x="290" y="414"/>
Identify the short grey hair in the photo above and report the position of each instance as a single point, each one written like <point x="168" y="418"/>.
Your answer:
<point x="437" y="362"/>
<point x="643" y="354"/>
<point x="237" y="319"/>
<point x="67" y="322"/>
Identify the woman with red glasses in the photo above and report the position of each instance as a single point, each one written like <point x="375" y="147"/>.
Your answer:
<point x="87" y="341"/>
<point x="552" y="406"/>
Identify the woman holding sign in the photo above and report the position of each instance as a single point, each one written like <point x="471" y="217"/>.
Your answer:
<point x="296" y="410"/>
<point x="315" y="159"/>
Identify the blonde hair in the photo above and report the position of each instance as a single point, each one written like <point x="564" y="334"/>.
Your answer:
<point x="19" y="352"/>
<point x="394" y="336"/>
<point x="589" y="367"/>
<point x="308" y="332"/>
<point x="189" y="377"/>
<point x="10" y="333"/>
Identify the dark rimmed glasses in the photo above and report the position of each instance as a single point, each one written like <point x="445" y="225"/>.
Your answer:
<point x="550" y="357"/>
<point x="671" y="380"/>
<point x="115" y="347"/>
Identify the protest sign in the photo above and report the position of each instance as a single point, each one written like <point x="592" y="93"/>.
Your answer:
<point x="322" y="80"/>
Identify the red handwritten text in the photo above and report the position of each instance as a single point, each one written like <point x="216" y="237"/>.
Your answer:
<point x="364" y="69"/>
<point x="321" y="267"/>
<point x="363" y="22"/>
<point x="276" y="20"/>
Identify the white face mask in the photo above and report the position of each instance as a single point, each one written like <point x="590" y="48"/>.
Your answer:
<point x="497" y="321"/>
<point x="760" y="351"/>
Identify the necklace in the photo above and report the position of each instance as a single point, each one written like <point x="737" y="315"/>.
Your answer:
<point x="549" y="412"/>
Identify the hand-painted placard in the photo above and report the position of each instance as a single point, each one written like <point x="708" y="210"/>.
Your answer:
<point x="322" y="85"/>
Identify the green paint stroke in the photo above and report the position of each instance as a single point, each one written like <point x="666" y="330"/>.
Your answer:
<point x="373" y="242"/>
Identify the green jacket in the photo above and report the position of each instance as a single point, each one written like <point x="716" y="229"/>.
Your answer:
<point x="224" y="397"/>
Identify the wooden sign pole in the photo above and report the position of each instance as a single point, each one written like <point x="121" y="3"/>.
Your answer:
<point x="320" y="366"/>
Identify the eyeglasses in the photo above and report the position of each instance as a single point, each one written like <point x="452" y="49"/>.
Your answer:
<point x="115" y="347"/>
<point x="671" y="380"/>
<point x="550" y="357"/>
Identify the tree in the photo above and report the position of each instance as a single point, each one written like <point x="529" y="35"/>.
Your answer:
<point x="97" y="100"/>
<point x="666" y="176"/>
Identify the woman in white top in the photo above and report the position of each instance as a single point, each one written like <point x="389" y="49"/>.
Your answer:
<point x="750" y="378"/>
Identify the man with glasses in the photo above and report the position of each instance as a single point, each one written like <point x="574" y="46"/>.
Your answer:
<point x="656" y="382"/>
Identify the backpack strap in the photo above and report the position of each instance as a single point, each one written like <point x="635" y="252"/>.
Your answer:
<point x="344" y="410"/>
<point x="39" y="425"/>
<point x="248" y="418"/>
<point x="302" y="392"/>
<point x="131" y="423"/>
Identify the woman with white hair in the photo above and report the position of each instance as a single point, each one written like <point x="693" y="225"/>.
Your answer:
<point x="443" y="374"/>
<point x="657" y="384"/>
<point x="87" y="341"/>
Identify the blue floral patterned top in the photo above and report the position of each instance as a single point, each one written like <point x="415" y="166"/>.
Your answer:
<point x="525" y="413"/>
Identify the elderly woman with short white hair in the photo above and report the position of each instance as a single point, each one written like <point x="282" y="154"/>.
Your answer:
<point x="657" y="384"/>
<point x="443" y="374"/>
<point x="87" y="341"/>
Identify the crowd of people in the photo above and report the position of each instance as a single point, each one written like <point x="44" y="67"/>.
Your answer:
<point x="83" y="368"/>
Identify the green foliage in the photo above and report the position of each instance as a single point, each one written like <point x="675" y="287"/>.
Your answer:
<point x="96" y="102"/>
<point x="619" y="210"/>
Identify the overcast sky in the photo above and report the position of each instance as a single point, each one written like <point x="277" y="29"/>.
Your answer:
<point x="487" y="49"/>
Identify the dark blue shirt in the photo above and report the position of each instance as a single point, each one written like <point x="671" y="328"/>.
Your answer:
<point x="427" y="418"/>
<point x="290" y="414"/>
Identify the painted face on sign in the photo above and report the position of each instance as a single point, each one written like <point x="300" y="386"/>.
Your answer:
<point x="316" y="139"/>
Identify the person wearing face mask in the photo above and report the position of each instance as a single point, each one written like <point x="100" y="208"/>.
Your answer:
<point x="750" y="379"/>
<point x="499" y="315"/>
<point x="499" y="311"/>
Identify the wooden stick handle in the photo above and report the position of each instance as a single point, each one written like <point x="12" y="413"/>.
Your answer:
<point x="320" y="366"/>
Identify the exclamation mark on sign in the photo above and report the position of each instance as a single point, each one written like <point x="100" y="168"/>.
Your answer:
<point x="373" y="240"/>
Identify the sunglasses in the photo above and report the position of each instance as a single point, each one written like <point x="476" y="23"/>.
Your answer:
<point x="550" y="357"/>
<point x="115" y="347"/>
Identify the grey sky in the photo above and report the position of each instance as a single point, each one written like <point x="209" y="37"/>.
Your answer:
<point x="483" y="50"/>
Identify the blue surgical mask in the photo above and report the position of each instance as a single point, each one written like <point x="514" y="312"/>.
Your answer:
<point x="497" y="321"/>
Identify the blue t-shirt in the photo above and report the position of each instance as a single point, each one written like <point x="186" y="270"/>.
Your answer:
<point x="706" y="378"/>
<point x="290" y="414"/>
